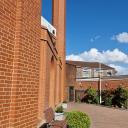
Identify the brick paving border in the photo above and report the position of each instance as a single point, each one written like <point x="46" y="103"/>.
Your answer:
<point x="102" y="117"/>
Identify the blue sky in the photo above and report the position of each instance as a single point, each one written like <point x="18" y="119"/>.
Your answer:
<point x="97" y="29"/>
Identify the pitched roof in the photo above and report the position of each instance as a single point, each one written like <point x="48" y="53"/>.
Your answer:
<point x="89" y="64"/>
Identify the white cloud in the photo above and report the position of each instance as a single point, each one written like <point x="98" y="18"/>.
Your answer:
<point x="121" y="37"/>
<point x="95" y="38"/>
<point x="105" y="56"/>
<point x="108" y="57"/>
<point x="120" y="69"/>
<point x="74" y="57"/>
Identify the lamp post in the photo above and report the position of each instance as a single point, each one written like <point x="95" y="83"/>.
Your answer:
<point x="80" y="83"/>
<point x="100" y="86"/>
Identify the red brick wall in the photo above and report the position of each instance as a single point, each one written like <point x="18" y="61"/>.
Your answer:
<point x="62" y="43"/>
<point x="24" y="103"/>
<point x="19" y="62"/>
<point x="25" y="61"/>
<point x="106" y="84"/>
<point x="7" y="42"/>
<point x="50" y="70"/>
<point x="58" y="84"/>
<point x="59" y="21"/>
<point x="70" y="79"/>
<point x="70" y="75"/>
<point x="83" y="85"/>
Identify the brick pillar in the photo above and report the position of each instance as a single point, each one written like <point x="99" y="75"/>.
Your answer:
<point x="58" y="78"/>
<point x="55" y="13"/>
<point x="26" y="63"/>
<point x="59" y="21"/>
<point x="7" y="42"/>
<point x="52" y="83"/>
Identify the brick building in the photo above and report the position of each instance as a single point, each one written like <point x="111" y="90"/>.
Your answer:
<point x="32" y="62"/>
<point x="78" y="78"/>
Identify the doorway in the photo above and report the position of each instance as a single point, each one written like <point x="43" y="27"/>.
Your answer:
<point x="71" y="93"/>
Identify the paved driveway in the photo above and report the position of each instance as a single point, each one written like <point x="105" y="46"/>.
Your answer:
<point x="102" y="117"/>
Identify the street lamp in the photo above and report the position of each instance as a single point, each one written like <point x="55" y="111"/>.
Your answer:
<point x="100" y="82"/>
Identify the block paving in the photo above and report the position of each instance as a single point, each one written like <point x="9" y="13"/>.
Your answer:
<point x="102" y="117"/>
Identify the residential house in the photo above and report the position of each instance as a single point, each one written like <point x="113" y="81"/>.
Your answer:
<point x="81" y="75"/>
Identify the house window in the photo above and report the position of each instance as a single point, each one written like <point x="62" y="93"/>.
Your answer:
<point x="86" y="72"/>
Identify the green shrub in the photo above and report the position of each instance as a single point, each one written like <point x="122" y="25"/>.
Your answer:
<point x="120" y="98"/>
<point x="76" y="119"/>
<point x="107" y="96"/>
<point x="59" y="109"/>
<point x="96" y="101"/>
<point x="108" y="101"/>
<point x="91" y="96"/>
<point x="78" y="99"/>
<point x="126" y="99"/>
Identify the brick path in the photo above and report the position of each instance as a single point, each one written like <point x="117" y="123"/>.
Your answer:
<point x="102" y="117"/>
